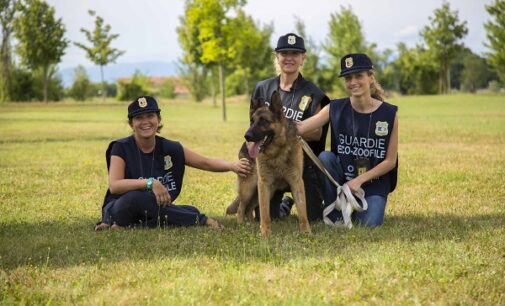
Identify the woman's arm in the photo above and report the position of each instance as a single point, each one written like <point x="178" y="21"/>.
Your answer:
<point x="383" y="167"/>
<point x="315" y="122"/>
<point x="315" y="134"/>
<point x="195" y="160"/>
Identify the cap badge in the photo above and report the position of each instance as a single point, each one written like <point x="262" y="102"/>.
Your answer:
<point x="291" y="39"/>
<point x="142" y="102"/>
<point x="349" y="62"/>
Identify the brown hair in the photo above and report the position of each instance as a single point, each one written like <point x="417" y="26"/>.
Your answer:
<point x="376" y="90"/>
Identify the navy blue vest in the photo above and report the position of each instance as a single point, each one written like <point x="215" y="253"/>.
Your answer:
<point x="167" y="164"/>
<point x="363" y="135"/>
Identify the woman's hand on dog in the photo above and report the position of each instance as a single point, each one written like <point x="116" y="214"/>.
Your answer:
<point x="163" y="198"/>
<point x="242" y="167"/>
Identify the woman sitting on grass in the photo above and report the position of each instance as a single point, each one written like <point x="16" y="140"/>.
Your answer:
<point x="364" y="141"/>
<point x="146" y="173"/>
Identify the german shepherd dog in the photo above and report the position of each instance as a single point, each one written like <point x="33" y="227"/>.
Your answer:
<point x="278" y="158"/>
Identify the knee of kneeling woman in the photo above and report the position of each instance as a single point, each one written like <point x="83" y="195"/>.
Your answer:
<point x="327" y="157"/>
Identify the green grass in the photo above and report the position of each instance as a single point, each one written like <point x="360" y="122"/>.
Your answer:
<point x="443" y="241"/>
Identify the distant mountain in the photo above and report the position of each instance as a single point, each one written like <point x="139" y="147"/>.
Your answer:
<point x="114" y="71"/>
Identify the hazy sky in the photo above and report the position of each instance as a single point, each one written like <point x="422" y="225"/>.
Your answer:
<point x="148" y="28"/>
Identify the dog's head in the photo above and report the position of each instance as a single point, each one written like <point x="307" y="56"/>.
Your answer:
<point x="265" y="121"/>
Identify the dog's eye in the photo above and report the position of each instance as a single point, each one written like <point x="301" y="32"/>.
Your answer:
<point x="264" y="122"/>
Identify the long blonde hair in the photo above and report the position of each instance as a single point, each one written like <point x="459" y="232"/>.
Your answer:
<point x="376" y="90"/>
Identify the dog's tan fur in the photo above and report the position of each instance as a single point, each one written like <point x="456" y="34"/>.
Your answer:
<point x="278" y="165"/>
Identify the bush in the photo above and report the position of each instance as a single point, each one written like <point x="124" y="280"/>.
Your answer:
<point x="82" y="88"/>
<point x="138" y="86"/>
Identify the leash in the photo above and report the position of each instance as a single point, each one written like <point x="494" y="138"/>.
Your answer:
<point x="345" y="201"/>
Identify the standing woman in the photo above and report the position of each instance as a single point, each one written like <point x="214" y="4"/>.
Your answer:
<point x="301" y="99"/>
<point x="364" y="141"/>
<point x="146" y="173"/>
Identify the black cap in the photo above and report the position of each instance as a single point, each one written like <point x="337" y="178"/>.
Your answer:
<point x="290" y="42"/>
<point x="355" y="62"/>
<point x="143" y="104"/>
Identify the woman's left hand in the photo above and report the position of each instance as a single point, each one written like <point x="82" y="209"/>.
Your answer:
<point x="242" y="167"/>
<point x="354" y="184"/>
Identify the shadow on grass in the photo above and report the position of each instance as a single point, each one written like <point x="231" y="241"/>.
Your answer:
<point x="63" y="244"/>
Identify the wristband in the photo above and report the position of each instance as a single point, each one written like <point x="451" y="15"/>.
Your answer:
<point x="149" y="184"/>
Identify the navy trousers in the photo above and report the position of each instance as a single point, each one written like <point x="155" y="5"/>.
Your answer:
<point x="139" y="208"/>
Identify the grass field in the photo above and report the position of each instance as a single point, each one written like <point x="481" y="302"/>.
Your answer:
<point x="443" y="241"/>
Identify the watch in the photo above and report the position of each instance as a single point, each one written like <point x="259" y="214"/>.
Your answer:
<point x="149" y="184"/>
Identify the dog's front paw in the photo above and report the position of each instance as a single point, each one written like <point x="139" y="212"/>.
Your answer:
<point x="266" y="231"/>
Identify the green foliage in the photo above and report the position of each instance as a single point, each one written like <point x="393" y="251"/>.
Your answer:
<point x="41" y="42"/>
<point x="100" y="52"/>
<point x="476" y="74"/>
<point x="441" y="243"/>
<point x="82" y="88"/>
<point x="7" y="11"/>
<point x="194" y="77"/>
<point x="22" y="85"/>
<point x="442" y="38"/>
<point x="139" y="85"/>
<point x="345" y="36"/>
<point x="495" y="33"/>
<point x="167" y="89"/>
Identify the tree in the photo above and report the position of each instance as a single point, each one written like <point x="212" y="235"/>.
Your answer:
<point x="139" y="85"/>
<point x="476" y="73"/>
<point x="7" y="11"/>
<point x="194" y="77"/>
<point x="496" y="37"/>
<point x="443" y="41"/>
<point x="100" y="52"/>
<point x="41" y="39"/>
<point x="313" y="69"/>
<point x="82" y="87"/>
<point x="345" y="36"/>
<point x="206" y="33"/>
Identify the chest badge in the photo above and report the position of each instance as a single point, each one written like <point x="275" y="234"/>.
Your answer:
<point x="381" y="128"/>
<point x="168" y="162"/>
<point x="305" y="101"/>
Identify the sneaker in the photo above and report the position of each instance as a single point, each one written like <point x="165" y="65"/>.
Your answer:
<point x="285" y="207"/>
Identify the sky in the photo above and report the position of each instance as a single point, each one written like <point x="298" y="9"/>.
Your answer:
<point x="147" y="29"/>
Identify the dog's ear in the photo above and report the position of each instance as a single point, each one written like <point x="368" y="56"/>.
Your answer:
<point x="255" y="104"/>
<point x="276" y="104"/>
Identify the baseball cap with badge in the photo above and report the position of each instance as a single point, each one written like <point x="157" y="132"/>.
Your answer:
<point x="143" y="104"/>
<point x="355" y="62"/>
<point x="290" y="42"/>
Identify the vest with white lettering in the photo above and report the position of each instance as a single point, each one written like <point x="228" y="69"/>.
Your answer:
<point x="298" y="104"/>
<point x="166" y="163"/>
<point x="360" y="135"/>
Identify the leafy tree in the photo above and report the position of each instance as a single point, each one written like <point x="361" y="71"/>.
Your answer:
<point x="41" y="39"/>
<point x="476" y="73"/>
<point x="345" y="36"/>
<point x="7" y="11"/>
<point x="496" y="37"/>
<point x="139" y="85"/>
<point x="443" y="41"/>
<point x="167" y="89"/>
<point x="82" y="88"/>
<point x="312" y="68"/>
<point x="100" y="52"/>
<point x="206" y="33"/>
<point x="194" y="77"/>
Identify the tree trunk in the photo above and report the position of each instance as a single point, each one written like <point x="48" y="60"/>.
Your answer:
<point x="45" y="78"/>
<point x="223" y="92"/>
<point x="246" y="82"/>
<point x="103" y="83"/>
<point x="213" y="87"/>
<point x="6" y="65"/>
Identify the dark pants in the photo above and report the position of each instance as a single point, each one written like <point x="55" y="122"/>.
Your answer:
<point x="313" y="199"/>
<point x="139" y="207"/>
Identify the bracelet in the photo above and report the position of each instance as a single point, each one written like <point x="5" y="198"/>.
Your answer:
<point x="149" y="184"/>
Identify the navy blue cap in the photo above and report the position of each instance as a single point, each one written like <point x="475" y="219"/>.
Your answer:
<point x="143" y="104"/>
<point x="355" y="62"/>
<point x="290" y="42"/>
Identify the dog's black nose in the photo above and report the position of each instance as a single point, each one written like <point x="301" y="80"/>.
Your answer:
<point x="249" y="136"/>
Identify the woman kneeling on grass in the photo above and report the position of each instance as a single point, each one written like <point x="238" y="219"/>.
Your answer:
<point x="146" y="173"/>
<point x="364" y="141"/>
